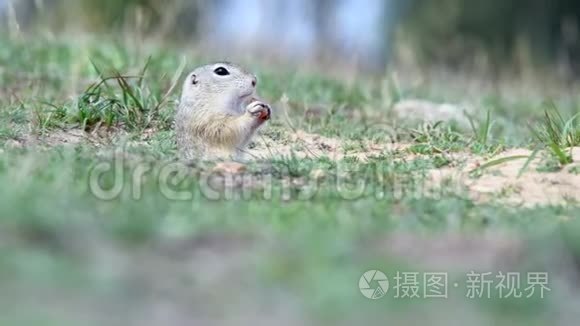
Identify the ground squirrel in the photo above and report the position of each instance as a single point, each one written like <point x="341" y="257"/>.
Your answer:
<point x="218" y="112"/>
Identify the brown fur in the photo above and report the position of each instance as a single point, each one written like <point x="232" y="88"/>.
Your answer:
<point x="218" y="115"/>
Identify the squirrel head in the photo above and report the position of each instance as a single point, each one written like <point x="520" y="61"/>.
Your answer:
<point x="222" y="83"/>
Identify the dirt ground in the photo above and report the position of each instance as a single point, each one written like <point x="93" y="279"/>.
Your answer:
<point x="500" y="182"/>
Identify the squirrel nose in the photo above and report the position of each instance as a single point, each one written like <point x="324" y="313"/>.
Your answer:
<point x="254" y="81"/>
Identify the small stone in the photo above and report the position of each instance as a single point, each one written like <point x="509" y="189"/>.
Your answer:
<point x="230" y="168"/>
<point x="414" y="110"/>
<point x="318" y="174"/>
<point x="12" y="144"/>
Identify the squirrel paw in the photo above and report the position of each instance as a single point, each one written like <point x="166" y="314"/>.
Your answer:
<point x="260" y="110"/>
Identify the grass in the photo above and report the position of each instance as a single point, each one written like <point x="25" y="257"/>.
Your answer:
<point x="559" y="134"/>
<point x="280" y="238"/>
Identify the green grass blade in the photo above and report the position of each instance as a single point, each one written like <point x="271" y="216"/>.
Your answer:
<point x="498" y="161"/>
<point x="528" y="162"/>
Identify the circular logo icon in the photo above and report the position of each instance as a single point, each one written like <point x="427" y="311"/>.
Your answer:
<point x="373" y="284"/>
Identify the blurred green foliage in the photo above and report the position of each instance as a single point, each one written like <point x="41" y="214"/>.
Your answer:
<point x="451" y="30"/>
<point x="113" y="13"/>
<point x="144" y="16"/>
<point x="441" y="31"/>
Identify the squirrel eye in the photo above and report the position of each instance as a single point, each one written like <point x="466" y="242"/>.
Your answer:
<point x="221" y="71"/>
<point x="194" y="79"/>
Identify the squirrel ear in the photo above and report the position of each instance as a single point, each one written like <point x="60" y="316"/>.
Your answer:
<point x="194" y="79"/>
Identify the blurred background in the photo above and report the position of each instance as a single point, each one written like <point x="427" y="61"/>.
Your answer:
<point x="64" y="253"/>
<point x="491" y="35"/>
